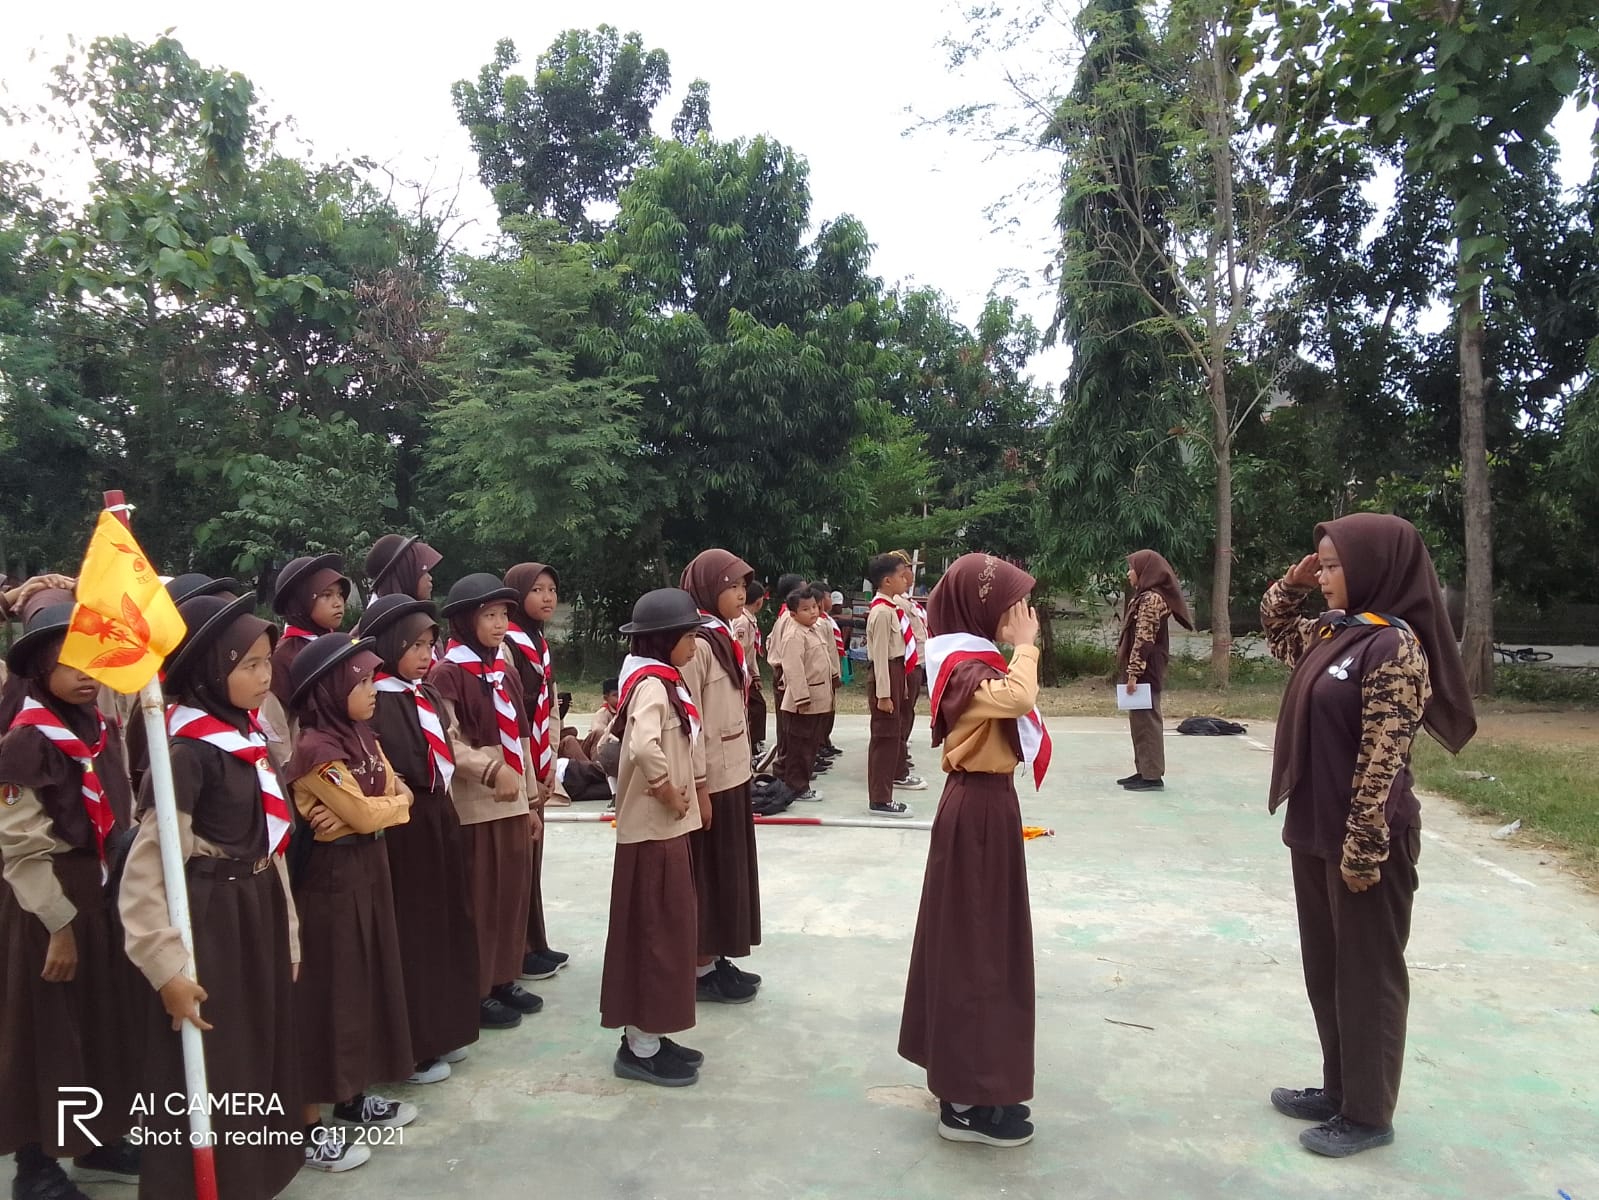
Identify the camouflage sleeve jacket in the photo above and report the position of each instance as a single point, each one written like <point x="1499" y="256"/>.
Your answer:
<point x="1151" y="612"/>
<point x="1393" y="695"/>
<point x="1287" y="633"/>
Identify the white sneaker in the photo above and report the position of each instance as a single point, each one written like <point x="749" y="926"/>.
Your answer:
<point x="335" y="1155"/>
<point x="454" y="1056"/>
<point x="809" y="795"/>
<point x="911" y="783"/>
<point x="435" y="1071"/>
<point x="377" y="1112"/>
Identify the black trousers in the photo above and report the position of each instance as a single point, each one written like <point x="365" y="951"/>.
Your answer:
<point x="1353" y="947"/>
<point x="755" y="714"/>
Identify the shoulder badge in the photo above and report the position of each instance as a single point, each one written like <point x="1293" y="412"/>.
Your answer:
<point x="10" y="793"/>
<point x="333" y="775"/>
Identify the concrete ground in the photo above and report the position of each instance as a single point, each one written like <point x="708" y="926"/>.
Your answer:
<point x="1169" y="1004"/>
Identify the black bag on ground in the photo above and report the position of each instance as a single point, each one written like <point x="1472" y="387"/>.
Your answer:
<point x="1210" y="727"/>
<point x="769" y="796"/>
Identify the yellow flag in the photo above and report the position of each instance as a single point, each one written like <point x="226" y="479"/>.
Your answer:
<point x="124" y="623"/>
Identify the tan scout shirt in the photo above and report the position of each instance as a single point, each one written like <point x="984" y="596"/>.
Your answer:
<point x="975" y="743"/>
<point x="883" y="642"/>
<point x="334" y="786"/>
<point x="28" y="844"/>
<point x="153" y="943"/>
<point x="472" y="786"/>
<point x="723" y="715"/>
<point x="656" y="750"/>
<point x="809" y="667"/>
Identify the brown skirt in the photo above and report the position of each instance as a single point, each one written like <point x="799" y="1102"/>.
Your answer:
<point x="537" y="938"/>
<point x="649" y="949"/>
<point x="433" y="913"/>
<point x="241" y="949"/>
<point x="350" y="1001"/>
<point x="82" y="1033"/>
<point x="726" y="877"/>
<point x="968" y="1016"/>
<point x="499" y="868"/>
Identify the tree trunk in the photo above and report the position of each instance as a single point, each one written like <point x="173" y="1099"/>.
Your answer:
<point x="1478" y="642"/>
<point x="1047" y="674"/>
<point x="1221" y="591"/>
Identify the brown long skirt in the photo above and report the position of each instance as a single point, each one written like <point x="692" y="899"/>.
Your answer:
<point x="648" y="981"/>
<point x="726" y="876"/>
<point x="241" y="950"/>
<point x="433" y="913"/>
<point x="350" y="1001"/>
<point x="538" y="938"/>
<point x="499" y="868"/>
<point x="82" y="1033"/>
<point x="968" y="1016"/>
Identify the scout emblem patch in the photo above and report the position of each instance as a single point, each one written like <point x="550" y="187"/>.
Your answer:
<point x="10" y="793"/>
<point x="332" y="775"/>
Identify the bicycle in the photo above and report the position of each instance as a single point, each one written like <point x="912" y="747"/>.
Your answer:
<point x="1525" y="654"/>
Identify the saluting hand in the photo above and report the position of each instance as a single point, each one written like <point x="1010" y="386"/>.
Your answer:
<point x="1019" y="625"/>
<point x="1303" y="573"/>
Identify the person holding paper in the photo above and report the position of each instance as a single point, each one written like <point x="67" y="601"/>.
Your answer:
<point x="1142" y="656"/>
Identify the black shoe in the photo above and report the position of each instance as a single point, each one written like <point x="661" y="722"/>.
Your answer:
<point x="1133" y="778"/>
<point x="1139" y="784"/>
<point x="1305" y="1104"/>
<point x="661" y="1068"/>
<point x="830" y="751"/>
<point x="986" y="1126"/>
<point x="491" y="1014"/>
<point x="536" y="966"/>
<point x="685" y="1055"/>
<point x="49" y="1184"/>
<point x="559" y="957"/>
<point x="1339" y="1138"/>
<point x="721" y="987"/>
<point x="894" y="808"/>
<point x="749" y="977"/>
<point x="512" y="996"/>
<point x="108" y="1164"/>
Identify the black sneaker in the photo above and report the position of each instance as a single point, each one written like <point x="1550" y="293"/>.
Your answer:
<point x="49" y="1184"/>
<point x="1339" y="1138"/>
<point x="1125" y="780"/>
<point x="721" y="987"/>
<point x="1139" y="784"/>
<point x="1305" y="1104"/>
<point x="536" y="966"/>
<point x="894" y="808"/>
<point x="749" y="977"/>
<point x="661" y="1068"/>
<point x="374" y="1112"/>
<point x="830" y="751"/>
<point x="512" y="996"/>
<point x="559" y="957"/>
<point x="335" y="1155"/>
<point x="108" y="1164"/>
<point x="491" y="1014"/>
<point x="986" y="1126"/>
<point x="685" y="1055"/>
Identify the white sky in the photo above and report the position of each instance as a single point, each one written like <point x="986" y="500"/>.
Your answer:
<point x="832" y="79"/>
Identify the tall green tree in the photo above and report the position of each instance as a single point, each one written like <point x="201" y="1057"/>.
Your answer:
<point x="567" y="138"/>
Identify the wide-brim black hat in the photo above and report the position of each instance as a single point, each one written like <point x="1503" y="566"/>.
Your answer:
<point x="474" y="591"/>
<point x="195" y="584"/>
<point x="665" y="610"/>
<point x="320" y="657"/>
<point x="385" y="553"/>
<point x="205" y="626"/>
<point x="386" y="610"/>
<point x="44" y="623"/>
<point x="299" y="571"/>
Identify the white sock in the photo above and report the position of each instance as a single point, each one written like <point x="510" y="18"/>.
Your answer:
<point x="702" y="972"/>
<point x="643" y="1045"/>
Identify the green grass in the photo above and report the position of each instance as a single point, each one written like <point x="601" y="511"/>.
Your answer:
<point x="1562" y="686"/>
<point x="1553" y="790"/>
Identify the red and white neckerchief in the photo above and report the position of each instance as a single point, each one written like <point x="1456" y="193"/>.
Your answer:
<point x="838" y="637"/>
<point x="636" y="668"/>
<point x="441" y="763"/>
<point x="950" y="650"/>
<point x="294" y="631"/>
<point x="905" y="630"/>
<point x="200" y="726"/>
<point x="467" y="659"/>
<point x="726" y="630"/>
<point x="543" y="744"/>
<point x="757" y="637"/>
<point x="95" y="801"/>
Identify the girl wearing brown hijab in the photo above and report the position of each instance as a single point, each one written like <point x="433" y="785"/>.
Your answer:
<point x="401" y="566"/>
<point x="350" y="1001"/>
<point x="310" y="596"/>
<point x="1381" y="661"/>
<point x="64" y="980"/>
<point x="537" y="586"/>
<point x="969" y="1001"/>
<point x="726" y="877"/>
<point x="1141" y="657"/>
<point x="233" y="827"/>
<point x="427" y="859"/>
